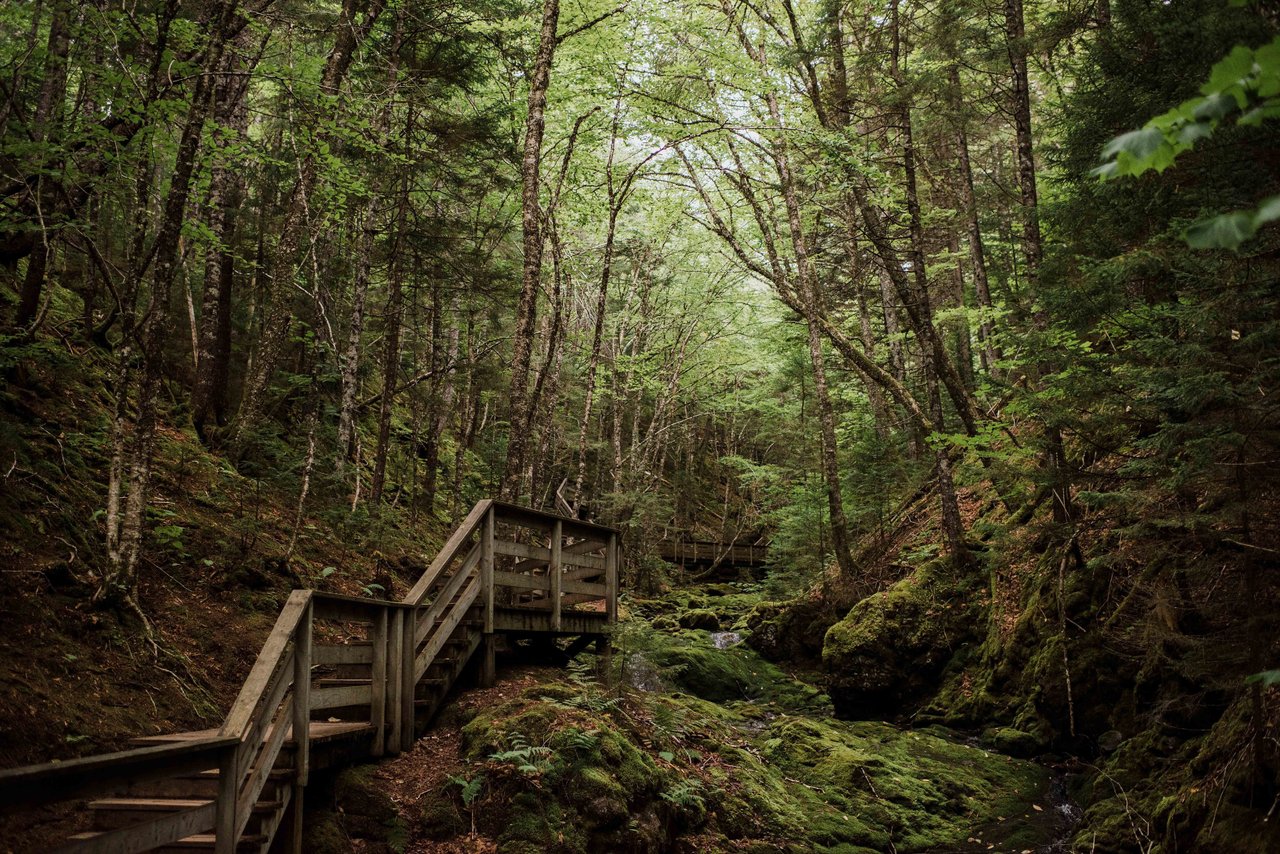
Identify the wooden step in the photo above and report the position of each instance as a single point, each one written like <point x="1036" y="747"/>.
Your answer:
<point x="195" y="842"/>
<point x="341" y="682"/>
<point x="203" y="784"/>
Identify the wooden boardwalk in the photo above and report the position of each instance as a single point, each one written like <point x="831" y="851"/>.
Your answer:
<point x="234" y="788"/>
<point x="705" y="553"/>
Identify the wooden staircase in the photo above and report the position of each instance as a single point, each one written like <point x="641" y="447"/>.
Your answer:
<point x="232" y="789"/>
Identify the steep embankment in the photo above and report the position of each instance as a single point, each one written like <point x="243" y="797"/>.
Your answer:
<point x="1078" y="655"/>
<point x="697" y="744"/>
<point x="78" y="679"/>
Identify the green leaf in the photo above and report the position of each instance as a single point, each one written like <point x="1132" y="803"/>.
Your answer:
<point x="1268" y="211"/>
<point x="667" y="755"/>
<point x="1215" y="107"/>
<point x="328" y="571"/>
<point x="1138" y="144"/>
<point x="1230" y="71"/>
<point x="1267" y="678"/>
<point x="1225" y="231"/>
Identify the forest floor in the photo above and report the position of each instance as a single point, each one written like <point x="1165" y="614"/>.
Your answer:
<point x="692" y="743"/>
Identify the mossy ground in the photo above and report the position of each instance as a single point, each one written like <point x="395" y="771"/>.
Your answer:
<point x="733" y="754"/>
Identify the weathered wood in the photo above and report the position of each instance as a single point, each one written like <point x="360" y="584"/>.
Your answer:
<point x="302" y="694"/>
<point x="378" y="700"/>
<point x="266" y="665"/>
<point x="568" y="553"/>
<point x="486" y="569"/>
<point x="341" y="654"/>
<point x="449" y="551"/>
<point x="144" y="836"/>
<point x="540" y="520"/>
<point x="445" y="628"/>
<point x="488" y="669"/>
<point x="408" y="676"/>
<point x="464" y="573"/>
<point x="278" y="694"/>
<point x="611" y="579"/>
<point x="280" y="727"/>
<point x="556" y="571"/>
<point x="535" y="553"/>
<point x="337" y="698"/>
<point x="224" y="826"/>
<point x="91" y="775"/>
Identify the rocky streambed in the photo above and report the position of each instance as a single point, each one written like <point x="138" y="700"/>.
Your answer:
<point x="694" y="743"/>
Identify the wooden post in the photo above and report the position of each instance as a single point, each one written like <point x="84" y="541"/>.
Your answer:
<point x="611" y="579"/>
<point x="302" y="698"/>
<point x="486" y="570"/>
<point x="378" y="703"/>
<point x="489" y="663"/>
<point x="295" y="821"/>
<point x="224" y="827"/>
<point x="554" y="569"/>
<point x="394" y="655"/>
<point x="408" y="675"/>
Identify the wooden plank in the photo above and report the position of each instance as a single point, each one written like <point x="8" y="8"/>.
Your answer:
<point x="269" y="659"/>
<point x="611" y="579"/>
<point x="449" y="551"/>
<point x="534" y="553"/>
<point x="446" y="595"/>
<point x="336" y="698"/>
<point x="255" y="732"/>
<point x="582" y="547"/>
<point x="587" y="561"/>
<point x="77" y="778"/>
<point x="224" y="826"/>
<point x="391" y="687"/>
<point x="302" y="693"/>
<point x="591" y="588"/>
<point x="378" y="700"/>
<point x="281" y="726"/>
<point x="521" y="582"/>
<point x="408" y="677"/>
<point x="341" y="654"/>
<point x="540" y="520"/>
<point x="146" y="835"/>
<point x="557" y="573"/>
<point x="445" y="628"/>
<point x="486" y="569"/>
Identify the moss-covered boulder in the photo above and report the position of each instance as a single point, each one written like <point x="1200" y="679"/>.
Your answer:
<point x="887" y="653"/>
<point x="790" y="631"/>
<point x="562" y="776"/>
<point x="700" y="618"/>
<point x="360" y="810"/>
<point x="690" y="662"/>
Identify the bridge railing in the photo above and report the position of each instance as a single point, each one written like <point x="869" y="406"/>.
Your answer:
<point x="501" y="555"/>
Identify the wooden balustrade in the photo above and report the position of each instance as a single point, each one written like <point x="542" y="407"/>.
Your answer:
<point x="524" y="570"/>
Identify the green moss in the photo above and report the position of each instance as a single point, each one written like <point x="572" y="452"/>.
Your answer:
<point x="700" y="618"/>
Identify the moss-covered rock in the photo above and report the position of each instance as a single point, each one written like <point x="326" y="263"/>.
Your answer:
<point x="790" y="631"/>
<point x="887" y="653"/>
<point x="700" y="618"/>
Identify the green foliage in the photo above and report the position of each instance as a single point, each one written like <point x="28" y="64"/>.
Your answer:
<point x="1244" y="86"/>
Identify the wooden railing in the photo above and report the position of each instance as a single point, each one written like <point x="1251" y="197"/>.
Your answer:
<point x="706" y="552"/>
<point x="491" y="562"/>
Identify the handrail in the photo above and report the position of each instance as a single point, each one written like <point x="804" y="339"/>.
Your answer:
<point x="276" y="697"/>
<point x="72" y="778"/>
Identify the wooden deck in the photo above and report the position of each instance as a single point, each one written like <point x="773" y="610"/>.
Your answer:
<point x="705" y="553"/>
<point x="505" y="570"/>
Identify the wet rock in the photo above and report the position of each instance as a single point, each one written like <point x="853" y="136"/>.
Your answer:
<point x="700" y="618"/>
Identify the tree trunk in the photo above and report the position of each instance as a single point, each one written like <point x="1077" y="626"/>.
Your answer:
<point x="357" y="17"/>
<point x="526" y="307"/>
<point x="226" y="191"/>
<point x="48" y="113"/>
